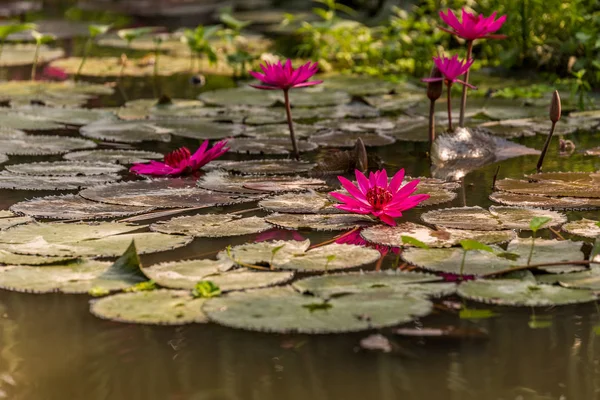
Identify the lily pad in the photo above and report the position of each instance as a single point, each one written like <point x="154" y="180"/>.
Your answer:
<point x="360" y="85"/>
<point x="112" y="66"/>
<point x="359" y="282"/>
<point x="15" y="55"/>
<point x="126" y="131"/>
<point x="161" y="193"/>
<point x="3" y="158"/>
<point x="247" y="96"/>
<point x="74" y="207"/>
<point x="272" y="252"/>
<point x="300" y="203"/>
<point x="30" y="182"/>
<point x="149" y="108"/>
<point x="268" y="146"/>
<point x="65" y="168"/>
<point x="283" y="310"/>
<point x="265" y="167"/>
<point x="66" y="116"/>
<point x="220" y="181"/>
<point x="511" y="128"/>
<point x="56" y="94"/>
<point x="8" y="220"/>
<point x="8" y="258"/>
<point x="201" y="129"/>
<point x="552" y="188"/>
<point x="319" y="222"/>
<point x="395" y="102"/>
<point x="11" y="119"/>
<point x="584" y="227"/>
<point x="512" y="292"/>
<point x="280" y="131"/>
<point x="42" y="145"/>
<point x="155" y="307"/>
<point x="185" y="275"/>
<point x="278" y="116"/>
<point x="212" y="225"/>
<point x="497" y="218"/>
<point x="59" y="28"/>
<point x="348" y="139"/>
<point x="589" y="279"/>
<point x="444" y="237"/>
<point x="113" y="156"/>
<point x="545" y="202"/>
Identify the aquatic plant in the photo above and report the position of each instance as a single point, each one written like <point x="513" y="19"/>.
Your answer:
<point x="536" y="224"/>
<point x="181" y="161"/>
<point x="40" y="39"/>
<point x="555" y="113"/>
<point x="95" y="31"/>
<point x="451" y="69"/>
<point x="9" y="29"/>
<point x="375" y="195"/>
<point x="285" y="77"/>
<point x="197" y="41"/>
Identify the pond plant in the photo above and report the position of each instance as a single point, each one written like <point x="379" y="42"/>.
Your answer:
<point x="555" y="113"/>
<point x="40" y="39"/>
<point x="10" y="29"/>
<point x="198" y="42"/>
<point x="95" y="31"/>
<point x="284" y="77"/>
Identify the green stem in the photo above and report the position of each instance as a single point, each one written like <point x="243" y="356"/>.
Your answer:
<point x="449" y="91"/>
<point x="462" y="264"/>
<point x="88" y="45"/>
<point x="288" y="110"/>
<point x="545" y="149"/>
<point x="463" y="100"/>
<point x="35" y="60"/>
<point x="531" y="249"/>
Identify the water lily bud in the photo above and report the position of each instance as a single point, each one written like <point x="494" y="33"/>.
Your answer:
<point x="555" y="108"/>
<point x="434" y="89"/>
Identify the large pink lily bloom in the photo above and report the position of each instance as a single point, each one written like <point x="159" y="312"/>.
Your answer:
<point x="181" y="161"/>
<point x="451" y="68"/>
<point x="473" y="26"/>
<point x="285" y="77"/>
<point x="378" y="197"/>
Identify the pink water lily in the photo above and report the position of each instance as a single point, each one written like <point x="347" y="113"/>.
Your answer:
<point x="181" y="161"/>
<point x="284" y="76"/>
<point x="378" y="197"/>
<point x="451" y="68"/>
<point x="473" y="26"/>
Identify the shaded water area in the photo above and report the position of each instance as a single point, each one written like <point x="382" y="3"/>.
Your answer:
<point x="51" y="347"/>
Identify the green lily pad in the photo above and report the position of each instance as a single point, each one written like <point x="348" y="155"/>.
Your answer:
<point x="589" y="279"/>
<point x="579" y="185"/>
<point x="201" y="129"/>
<point x="42" y="145"/>
<point x="116" y="156"/>
<point x="281" y="146"/>
<point x="283" y="310"/>
<point x="512" y="292"/>
<point x="212" y="225"/>
<point x="186" y="274"/>
<point x="444" y="237"/>
<point x="155" y="307"/>
<point x="300" y="203"/>
<point x="170" y="43"/>
<point x="66" y="116"/>
<point x="11" y="119"/>
<point x="360" y="85"/>
<point x="65" y="168"/>
<point x="149" y="108"/>
<point x="15" y="55"/>
<point x="348" y="139"/>
<point x="278" y="116"/>
<point x="395" y="102"/>
<point x="56" y="94"/>
<point x="161" y="193"/>
<point x="372" y="125"/>
<point x="31" y="182"/>
<point x="8" y="258"/>
<point x="72" y="206"/>
<point x="126" y="131"/>
<point x="220" y="181"/>
<point x="8" y="220"/>
<point x="497" y="218"/>
<point x="279" y="131"/>
<point x="240" y="96"/>
<point x="104" y="67"/>
<point x="584" y="227"/>
<point x="265" y="167"/>
<point x="545" y="202"/>
<point x="359" y="282"/>
<point x="319" y="222"/>
<point x="511" y="128"/>
<point x="279" y="251"/>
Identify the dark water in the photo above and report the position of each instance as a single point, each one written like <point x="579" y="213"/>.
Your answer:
<point x="51" y="348"/>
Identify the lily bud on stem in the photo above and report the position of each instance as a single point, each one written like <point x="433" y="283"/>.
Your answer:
<point x="434" y="92"/>
<point x="555" y="111"/>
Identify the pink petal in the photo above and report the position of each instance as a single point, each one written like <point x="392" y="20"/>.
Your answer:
<point x="396" y="181"/>
<point x="363" y="182"/>
<point x="388" y="220"/>
<point x="311" y="83"/>
<point x="263" y="87"/>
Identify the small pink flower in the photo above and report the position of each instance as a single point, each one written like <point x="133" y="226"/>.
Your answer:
<point x="181" y="161"/>
<point x="53" y="74"/>
<point x="356" y="239"/>
<point x="451" y="68"/>
<point x="376" y="196"/>
<point x="285" y="77"/>
<point x="279" y="234"/>
<point x="473" y="26"/>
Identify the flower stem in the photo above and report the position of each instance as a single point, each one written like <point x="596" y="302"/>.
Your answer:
<point x="431" y="124"/>
<point x="288" y="111"/>
<point x="86" y="50"/>
<point x="462" y="264"/>
<point x="463" y="100"/>
<point x="35" y="60"/>
<point x="449" y="91"/>
<point x="531" y="249"/>
<point x="545" y="149"/>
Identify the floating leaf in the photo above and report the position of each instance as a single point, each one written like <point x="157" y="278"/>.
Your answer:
<point x="551" y="203"/>
<point x="65" y="168"/>
<point x="74" y="207"/>
<point x="40" y="145"/>
<point x="586" y="185"/>
<point x="104" y="67"/>
<point x="348" y="139"/>
<point x="156" y="307"/>
<point x="279" y="130"/>
<point x="220" y="181"/>
<point x="584" y="228"/>
<point x="30" y="182"/>
<point x="149" y="109"/>
<point x="589" y="279"/>
<point x="67" y="116"/>
<point x="113" y="156"/>
<point x="206" y="289"/>
<point x="201" y="129"/>
<point x="3" y="158"/>
<point x="510" y="292"/>
<point x="284" y="310"/>
<point x="319" y="222"/>
<point x="56" y="94"/>
<point x="8" y="258"/>
<point x="126" y="131"/>
<point x="22" y="54"/>
<point x="212" y="225"/>
<point x="281" y="146"/>
<point x="300" y="203"/>
<point x="278" y="116"/>
<point x="265" y="167"/>
<point x="8" y="219"/>
<point x="258" y="253"/>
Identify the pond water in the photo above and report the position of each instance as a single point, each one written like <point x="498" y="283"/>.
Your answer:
<point x="51" y="347"/>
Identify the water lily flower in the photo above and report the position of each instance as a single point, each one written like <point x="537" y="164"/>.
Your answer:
<point x="284" y="77"/>
<point x="473" y="26"/>
<point x="181" y="161"/>
<point x="378" y="197"/>
<point x="354" y="237"/>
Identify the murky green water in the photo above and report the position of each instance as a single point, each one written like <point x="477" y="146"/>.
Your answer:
<point x="51" y="347"/>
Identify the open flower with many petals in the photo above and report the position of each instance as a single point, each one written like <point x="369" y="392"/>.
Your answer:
<point x="182" y="161"/>
<point x="378" y="197"/>
<point x="451" y="69"/>
<point x="284" y="77"/>
<point x="473" y="26"/>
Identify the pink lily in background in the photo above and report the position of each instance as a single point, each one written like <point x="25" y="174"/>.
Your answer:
<point x="471" y="27"/>
<point x="378" y="197"/>
<point x="285" y="77"/>
<point x="181" y="161"/>
<point x="451" y="69"/>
